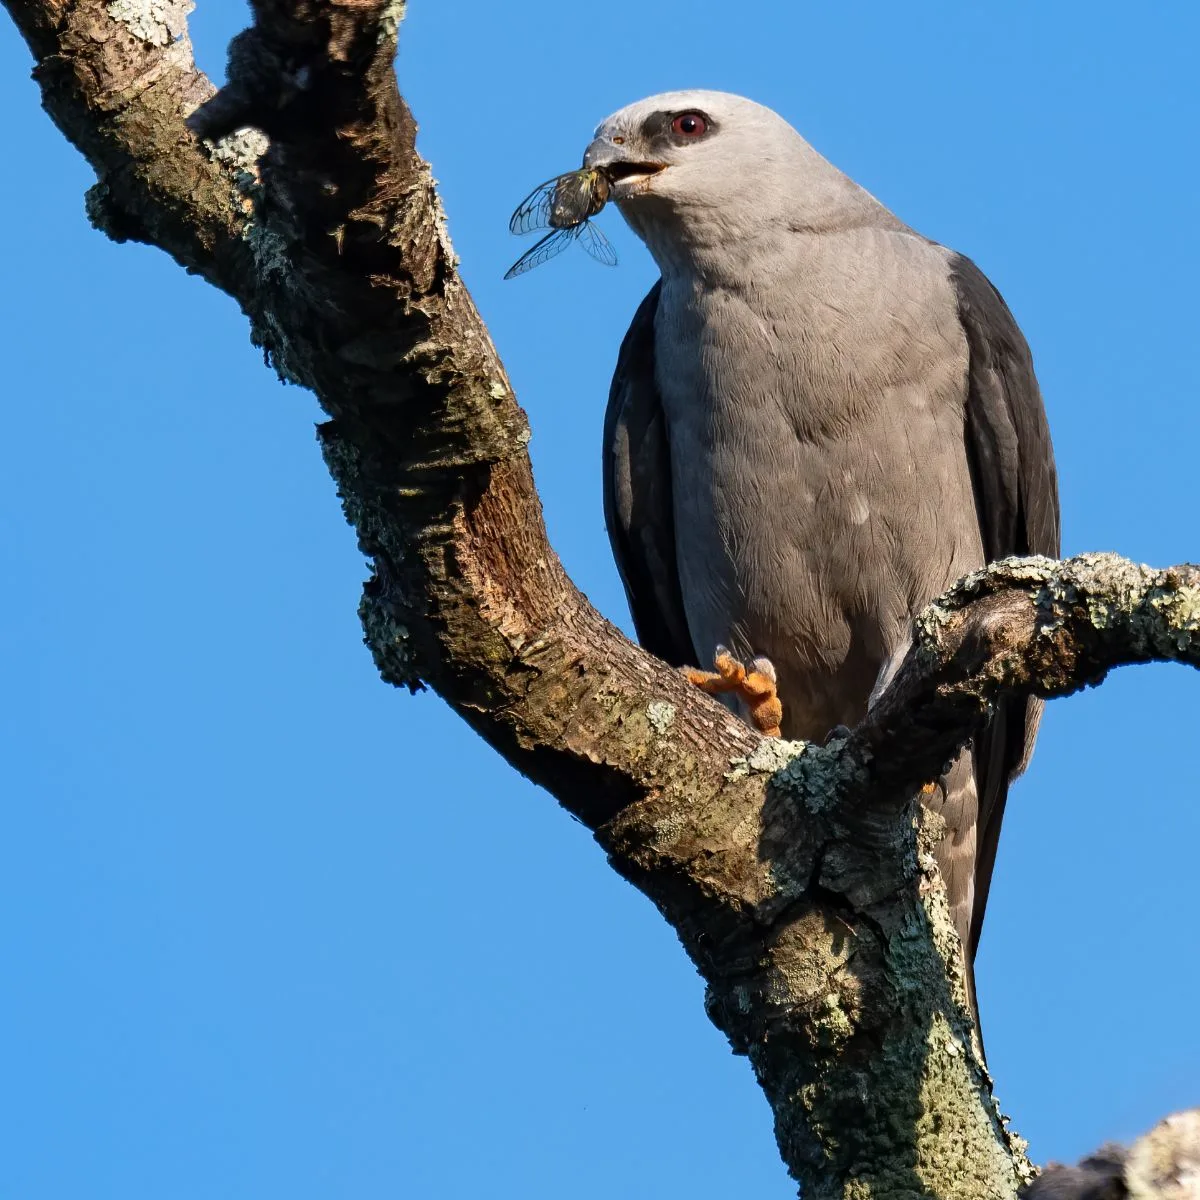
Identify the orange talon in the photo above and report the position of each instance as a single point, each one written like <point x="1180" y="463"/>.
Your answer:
<point x="756" y="688"/>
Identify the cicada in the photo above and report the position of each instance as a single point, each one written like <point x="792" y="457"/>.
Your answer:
<point x="563" y="205"/>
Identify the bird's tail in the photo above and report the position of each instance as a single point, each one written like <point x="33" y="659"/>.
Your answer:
<point x="954" y="798"/>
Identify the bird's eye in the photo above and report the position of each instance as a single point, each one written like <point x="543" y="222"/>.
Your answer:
<point x="689" y="124"/>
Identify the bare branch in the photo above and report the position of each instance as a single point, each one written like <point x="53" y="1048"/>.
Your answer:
<point x="798" y="877"/>
<point x="1022" y="626"/>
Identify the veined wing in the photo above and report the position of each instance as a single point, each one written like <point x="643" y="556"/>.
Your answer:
<point x="561" y="202"/>
<point x="592" y="239"/>
<point x="535" y="210"/>
<point x="554" y="243"/>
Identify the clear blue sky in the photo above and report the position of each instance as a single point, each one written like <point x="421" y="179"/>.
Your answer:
<point x="271" y="928"/>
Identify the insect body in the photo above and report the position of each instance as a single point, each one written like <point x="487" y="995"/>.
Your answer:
<point x="563" y="205"/>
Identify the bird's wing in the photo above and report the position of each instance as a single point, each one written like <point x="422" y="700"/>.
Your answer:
<point x="637" y="494"/>
<point x="1016" y="498"/>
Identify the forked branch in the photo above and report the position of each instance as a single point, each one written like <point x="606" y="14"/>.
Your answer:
<point x="795" y="875"/>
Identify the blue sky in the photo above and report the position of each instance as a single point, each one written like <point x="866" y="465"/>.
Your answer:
<point x="270" y="927"/>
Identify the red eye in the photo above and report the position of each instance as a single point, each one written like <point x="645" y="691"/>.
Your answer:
<point x="689" y="125"/>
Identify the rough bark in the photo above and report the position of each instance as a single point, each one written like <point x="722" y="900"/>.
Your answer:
<point x="798" y="877"/>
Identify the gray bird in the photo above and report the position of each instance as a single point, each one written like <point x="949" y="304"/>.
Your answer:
<point x="819" y="420"/>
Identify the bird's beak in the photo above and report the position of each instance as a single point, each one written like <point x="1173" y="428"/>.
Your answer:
<point x="626" y="175"/>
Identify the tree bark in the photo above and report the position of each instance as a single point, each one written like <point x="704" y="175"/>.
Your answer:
<point x="798" y="877"/>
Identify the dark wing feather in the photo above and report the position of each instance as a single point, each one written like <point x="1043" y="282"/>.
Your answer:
<point x="1016" y="496"/>
<point x="637" y="494"/>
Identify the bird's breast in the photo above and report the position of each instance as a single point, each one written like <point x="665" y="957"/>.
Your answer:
<point x="819" y="477"/>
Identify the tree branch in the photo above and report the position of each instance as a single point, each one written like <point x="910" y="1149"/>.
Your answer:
<point x="1027" y="626"/>
<point x="798" y="877"/>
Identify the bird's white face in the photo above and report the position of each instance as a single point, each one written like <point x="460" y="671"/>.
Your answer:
<point x="690" y="147"/>
<point x="696" y="172"/>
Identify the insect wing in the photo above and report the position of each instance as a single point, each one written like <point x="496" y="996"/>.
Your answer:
<point x="555" y="242"/>
<point x="571" y="201"/>
<point x="534" y="211"/>
<point x="596" y="244"/>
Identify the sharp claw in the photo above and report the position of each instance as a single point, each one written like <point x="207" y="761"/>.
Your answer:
<point x="764" y="666"/>
<point x="756" y="687"/>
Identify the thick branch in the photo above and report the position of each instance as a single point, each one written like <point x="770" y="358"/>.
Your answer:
<point x="794" y="875"/>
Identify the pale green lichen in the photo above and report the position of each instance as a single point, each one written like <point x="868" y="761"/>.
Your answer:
<point x="670" y="829"/>
<point x="941" y="931"/>
<point x="1107" y="587"/>
<point x="835" y="1021"/>
<point x="156" y="22"/>
<point x="943" y="1140"/>
<point x="1036" y="568"/>
<point x="390" y="19"/>
<point x="914" y="1118"/>
<point x="240" y="151"/>
<point x="974" y="1164"/>
<point x="774" y="754"/>
<point x="927" y="626"/>
<point x="822" y="775"/>
<point x="1175" y="621"/>
<point x="769" y="756"/>
<point x="931" y="620"/>
<point x="1113" y="594"/>
<point x="1117" y="594"/>
<point x="953" y="1077"/>
<point x="661" y="714"/>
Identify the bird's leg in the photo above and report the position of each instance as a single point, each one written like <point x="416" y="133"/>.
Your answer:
<point x="756" y="687"/>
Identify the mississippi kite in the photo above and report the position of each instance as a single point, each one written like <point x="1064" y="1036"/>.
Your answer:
<point x="819" y="420"/>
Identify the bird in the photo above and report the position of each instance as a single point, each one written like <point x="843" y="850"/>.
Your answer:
<point x="819" y="420"/>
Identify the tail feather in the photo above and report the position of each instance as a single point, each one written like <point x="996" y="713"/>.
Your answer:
<point x="956" y="801"/>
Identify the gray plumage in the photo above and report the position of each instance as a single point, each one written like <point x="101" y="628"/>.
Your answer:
<point x="819" y="420"/>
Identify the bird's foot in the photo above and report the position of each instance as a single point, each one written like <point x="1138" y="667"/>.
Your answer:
<point x="755" y="686"/>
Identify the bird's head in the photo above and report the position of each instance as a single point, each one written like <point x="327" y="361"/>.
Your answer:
<point x="692" y="168"/>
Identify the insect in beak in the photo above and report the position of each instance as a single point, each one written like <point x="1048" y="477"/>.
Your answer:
<point x="563" y="205"/>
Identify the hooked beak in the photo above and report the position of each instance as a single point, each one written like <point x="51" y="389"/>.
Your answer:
<point x="626" y="177"/>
